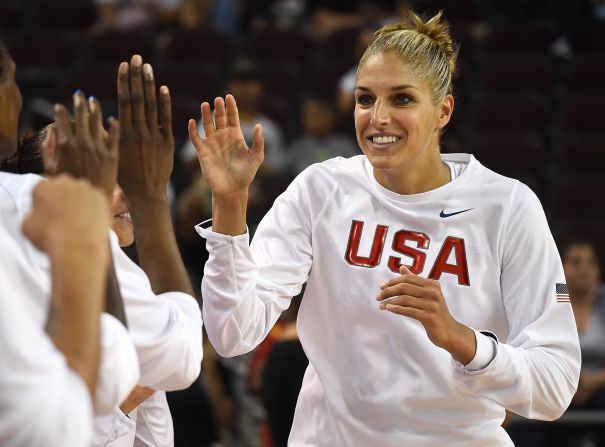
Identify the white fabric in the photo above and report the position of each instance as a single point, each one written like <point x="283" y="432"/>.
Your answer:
<point x="42" y="401"/>
<point x="118" y="368"/>
<point x="374" y="378"/>
<point x="166" y="329"/>
<point x="154" y="423"/>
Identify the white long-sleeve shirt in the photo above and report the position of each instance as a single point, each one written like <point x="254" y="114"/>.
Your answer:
<point x="42" y="401"/>
<point x="119" y="366"/>
<point x="165" y="329"/>
<point x="374" y="378"/>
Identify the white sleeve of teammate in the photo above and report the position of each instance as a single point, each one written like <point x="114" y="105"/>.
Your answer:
<point x="246" y="288"/>
<point x="154" y="422"/>
<point x="535" y="372"/>
<point x="118" y="366"/>
<point x="166" y="329"/>
<point x="42" y="401"/>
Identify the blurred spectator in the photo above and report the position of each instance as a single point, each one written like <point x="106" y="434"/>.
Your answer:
<point x="136" y="14"/>
<point x="587" y="294"/>
<point x="319" y="140"/>
<point x="246" y="85"/>
<point x="346" y="84"/>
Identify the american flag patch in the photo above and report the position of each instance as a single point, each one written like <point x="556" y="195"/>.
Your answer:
<point x="562" y="293"/>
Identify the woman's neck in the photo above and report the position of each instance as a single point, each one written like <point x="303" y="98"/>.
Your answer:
<point x="426" y="175"/>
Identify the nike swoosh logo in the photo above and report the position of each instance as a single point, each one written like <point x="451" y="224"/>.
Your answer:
<point x="444" y="214"/>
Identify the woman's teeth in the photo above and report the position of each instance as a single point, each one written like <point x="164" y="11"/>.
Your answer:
<point x="125" y="215"/>
<point x="385" y="140"/>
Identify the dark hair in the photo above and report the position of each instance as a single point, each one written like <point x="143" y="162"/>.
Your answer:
<point x="28" y="158"/>
<point x="577" y="242"/>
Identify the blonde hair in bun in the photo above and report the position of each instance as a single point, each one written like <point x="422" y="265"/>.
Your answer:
<point x="424" y="44"/>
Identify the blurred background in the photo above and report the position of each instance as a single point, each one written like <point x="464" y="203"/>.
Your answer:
<point x="530" y="104"/>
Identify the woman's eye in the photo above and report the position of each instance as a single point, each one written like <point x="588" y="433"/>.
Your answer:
<point x="402" y="100"/>
<point x="364" y="100"/>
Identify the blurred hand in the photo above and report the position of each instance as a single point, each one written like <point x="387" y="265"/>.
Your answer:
<point x="86" y="150"/>
<point x="67" y="215"/>
<point x="146" y="140"/>
<point x="421" y="299"/>
<point x="227" y="163"/>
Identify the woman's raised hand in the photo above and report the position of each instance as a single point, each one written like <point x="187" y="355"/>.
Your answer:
<point x="227" y="163"/>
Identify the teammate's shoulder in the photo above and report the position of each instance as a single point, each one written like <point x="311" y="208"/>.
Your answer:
<point x="15" y="184"/>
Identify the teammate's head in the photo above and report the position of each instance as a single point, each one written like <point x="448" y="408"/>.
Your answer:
<point x="425" y="46"/>
<point x="581" y="266"/>
<point x="10" y="103"/>
<point x="29" y="160"/>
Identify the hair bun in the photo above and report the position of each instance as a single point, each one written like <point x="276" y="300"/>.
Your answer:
<point x="436" y="28"/>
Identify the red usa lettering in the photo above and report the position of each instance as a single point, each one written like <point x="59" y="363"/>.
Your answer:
<point x="418" y="255"/>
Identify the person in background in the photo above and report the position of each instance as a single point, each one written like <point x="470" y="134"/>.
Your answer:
<point x="318" y="140"/>
<point x="587" y="295"/>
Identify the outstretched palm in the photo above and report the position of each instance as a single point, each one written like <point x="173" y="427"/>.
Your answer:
<point x="227" y="163"/>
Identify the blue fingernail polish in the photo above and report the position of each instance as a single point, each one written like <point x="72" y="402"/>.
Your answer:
<point x="91" y="98"/>
<point x="78" y="92"/>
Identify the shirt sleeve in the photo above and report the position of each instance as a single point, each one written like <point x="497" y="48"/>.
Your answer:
<point x="166" y="329"/>
<point x="42" y="401"/>
<point x="535" y="372"/>
<point x="154" y="422"/>
<point x="118" y="366"/>
<point x="246" y="287"/>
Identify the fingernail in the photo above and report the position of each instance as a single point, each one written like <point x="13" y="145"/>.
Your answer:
<point x="56" y="107"/>
<point x="382" y="306"/>
<point x="148" y="71"/>
<point x="110" y="119"/>
<point x="78" y="92"/>
<point x="137" y="60"/>
<point x="91" y="98"/>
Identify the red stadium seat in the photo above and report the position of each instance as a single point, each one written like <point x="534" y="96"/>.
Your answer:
<point x="582" y="112"/>
<point x="582" y="152"/>
<point x="510" y="112"/>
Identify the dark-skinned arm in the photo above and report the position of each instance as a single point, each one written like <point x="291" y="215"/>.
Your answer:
<point x="146" y="161"/>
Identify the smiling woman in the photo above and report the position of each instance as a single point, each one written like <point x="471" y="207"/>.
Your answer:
<point x="430" y="302"/>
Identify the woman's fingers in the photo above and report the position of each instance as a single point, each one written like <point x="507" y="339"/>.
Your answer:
<point x="82" y="116"/>
<point x="404" y="300"/>
<point x="64" y="132"/>
<point x="151" y="105"/>
<point x="165" y="112"/>
<point x="207" y="122"/>
<point x="137" y="94"/>
<point x="96" y="119"/>
<point x="113" y="137"/>
<point x="232" y="112"/>
<point x="194" y="135"/>
<point x="124" y="106"/>
<point x="220" y="114"/>
<point x="401" y="289"/>
<point x="258" y="143"/>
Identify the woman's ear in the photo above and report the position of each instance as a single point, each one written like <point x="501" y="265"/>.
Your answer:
<point x="447" y="108"/>
<point x="49" y="152"/>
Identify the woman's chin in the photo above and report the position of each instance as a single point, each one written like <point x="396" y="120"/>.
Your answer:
<point x="124" y="230"/>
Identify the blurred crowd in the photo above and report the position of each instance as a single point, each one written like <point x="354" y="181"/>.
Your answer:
<point x="528" y="101"/>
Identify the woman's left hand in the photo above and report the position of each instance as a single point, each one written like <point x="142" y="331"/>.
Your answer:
<point x="421" y="299"/>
